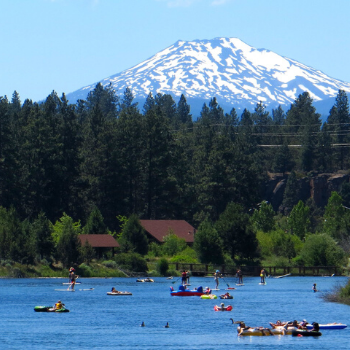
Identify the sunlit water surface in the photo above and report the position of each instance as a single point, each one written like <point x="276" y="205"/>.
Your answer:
<point x="98" y="321"/>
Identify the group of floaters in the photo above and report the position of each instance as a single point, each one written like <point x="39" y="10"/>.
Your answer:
<point x="204" y="294"/>
<point x="293" y="328"/>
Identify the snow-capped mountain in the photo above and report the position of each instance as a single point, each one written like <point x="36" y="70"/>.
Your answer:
<point x="237" y="74"/>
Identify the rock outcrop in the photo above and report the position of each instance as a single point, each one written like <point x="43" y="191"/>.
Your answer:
<point x="316" y="186"/>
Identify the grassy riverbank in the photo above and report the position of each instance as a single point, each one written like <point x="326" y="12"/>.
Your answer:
<point x="95" y="269"/>
<point x="339" y="294"/>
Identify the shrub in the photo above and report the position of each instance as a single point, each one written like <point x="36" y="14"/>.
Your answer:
<point x="110" y="264"/>
<point x="131" y="262"/>
<point x="162" y="266"/>
<point x="321" y="250"/>
<point x="186" y="256"/>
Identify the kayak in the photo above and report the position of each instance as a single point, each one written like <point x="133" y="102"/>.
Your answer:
<point x="225" y="308"/>
<point x="209" y="296"/>
<point x="49" y="309"/>
<point x="304" y="333"/>
<point x="119" y="293"/>
<point x="329" y="326"/>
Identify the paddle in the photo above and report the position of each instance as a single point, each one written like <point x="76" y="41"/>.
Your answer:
<point x="228" y="286"/>
<point x="175" y="281"/>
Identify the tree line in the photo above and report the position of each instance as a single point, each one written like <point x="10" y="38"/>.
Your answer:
<point x="59" y="159"/>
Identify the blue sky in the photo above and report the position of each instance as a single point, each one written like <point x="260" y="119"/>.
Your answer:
<point x="63" y="45"/>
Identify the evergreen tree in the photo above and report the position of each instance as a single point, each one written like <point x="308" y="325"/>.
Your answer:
<point x="304" y="123"/>
<point x="95" y="223"/>
<point x="65" y="234"/>
<point x="159" y="187"/>
<point x="133" y="237"/>
<point x="278" y="116"/>
<point x="282" y="159"/>
<point x="183" y="116"/>
<point x="339" y="123"/>
<point x="299" y="220"/>
<point x="236" y="232"/>
<point x="42" y="228"/>
<point x="291" y="193"/>
<point x="130" y="145"/>
<point x="336" y="217"/>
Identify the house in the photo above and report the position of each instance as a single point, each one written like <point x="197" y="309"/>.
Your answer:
<point x="156" y="230"/>
<point x="101" y="243"/>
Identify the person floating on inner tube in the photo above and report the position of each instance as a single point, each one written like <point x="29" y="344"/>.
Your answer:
<point x="226" y="295"/>
<point x="314" y="288"/>
<point x="303" y="324"/>
<point x="207" y="290"/>
<point x="217" y="275"/>
<point x="277" y="324"/>
<point x="316" y="327"/>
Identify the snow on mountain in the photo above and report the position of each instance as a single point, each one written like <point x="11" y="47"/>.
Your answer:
<point x="234" y="72"/>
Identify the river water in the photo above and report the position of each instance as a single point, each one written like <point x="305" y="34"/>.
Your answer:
<point x="99" y="321"/>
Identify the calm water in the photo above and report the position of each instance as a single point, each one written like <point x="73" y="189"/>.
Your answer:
<point x="98" y="321"/>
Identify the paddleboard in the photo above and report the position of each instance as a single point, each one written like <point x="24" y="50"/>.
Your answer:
<point x="215" y="289"/>
<point x="288" y="274"/>
<point x="86" y="289"/>
<point x="262" y="284"/>
<point x="239" y="284"/>
<point x="66" y="283"/>
<point x="66" y="290"/>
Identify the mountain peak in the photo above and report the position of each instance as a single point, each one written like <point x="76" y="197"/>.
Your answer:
<point x="226" y="68"/>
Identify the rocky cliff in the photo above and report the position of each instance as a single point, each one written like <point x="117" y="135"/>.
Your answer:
<point x="316" y="186"/>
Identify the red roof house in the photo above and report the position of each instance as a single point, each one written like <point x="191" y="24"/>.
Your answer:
<point x="158" y="229"/>
<point x="100" y="243"/>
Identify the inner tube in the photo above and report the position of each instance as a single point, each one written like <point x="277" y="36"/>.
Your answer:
<point x="209" y="296"/>
<point x="225" y="308"/>
<point x="305" y="333"/>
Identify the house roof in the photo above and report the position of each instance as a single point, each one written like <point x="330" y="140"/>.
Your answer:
<point x="99" y="241"/>
<point x="160" y="228"/>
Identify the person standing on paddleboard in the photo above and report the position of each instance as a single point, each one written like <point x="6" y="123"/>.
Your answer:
<point x="240" y="276"/>
<point x="72" y="277"/>
<point x="262" y="275"/>
<point x="216" y="278"/>
<point x="184" y="278"/>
